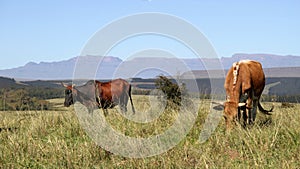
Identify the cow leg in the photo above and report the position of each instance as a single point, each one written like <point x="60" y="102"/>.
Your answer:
<point x="242" y="111"/>
<point x="248" y="108"/>
<point x="90" y="110"/>
<point x="123" y="108"/>
<point x="239" y="114"/>
<point x="123" y="102"/>
<point x="245" y="117"/>
<point x="105" y="111"/>
<point x="244" y="97"/>
<point x="254" y="108"/>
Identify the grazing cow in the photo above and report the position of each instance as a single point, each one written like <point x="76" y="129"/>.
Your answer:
<point x="95" y="94"/>
<point x="244" y="84"/>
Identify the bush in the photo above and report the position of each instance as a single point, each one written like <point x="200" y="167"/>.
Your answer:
<point x="172" y="90"/>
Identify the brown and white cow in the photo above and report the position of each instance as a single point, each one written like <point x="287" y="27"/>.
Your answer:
<point x="95" y="94"/>
<point x="244" y="84"/>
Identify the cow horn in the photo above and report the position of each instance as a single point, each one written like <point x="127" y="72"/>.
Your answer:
<point x="241" y="104"/>
<point x="219" y="103"/>
<point x="63" y="84"/>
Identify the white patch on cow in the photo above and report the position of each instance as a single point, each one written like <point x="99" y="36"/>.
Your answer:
<point x="228" y="98"/>
<point x="235" y="71"/>
<point x="245" y="61"/>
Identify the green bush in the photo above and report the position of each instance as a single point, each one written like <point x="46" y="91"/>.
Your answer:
<point x="171" y="89"/>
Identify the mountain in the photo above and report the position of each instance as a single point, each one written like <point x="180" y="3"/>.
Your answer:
<point x="267" y="60"/>
<point x="108" y="67"/>
<point x="42" y="70"/>
<point x="59" y="70"/>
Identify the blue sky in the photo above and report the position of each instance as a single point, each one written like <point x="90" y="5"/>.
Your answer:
<point x="58" y="30"/>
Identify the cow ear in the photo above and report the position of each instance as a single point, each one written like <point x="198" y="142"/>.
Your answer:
<point x="241" y="104"/>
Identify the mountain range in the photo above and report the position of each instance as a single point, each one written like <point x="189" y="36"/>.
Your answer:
<point x="109" y="67"/>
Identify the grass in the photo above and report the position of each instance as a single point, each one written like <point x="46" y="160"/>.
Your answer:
<point x="55" y="139"/>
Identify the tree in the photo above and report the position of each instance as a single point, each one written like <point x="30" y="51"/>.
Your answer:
<point x="172" y="90"/>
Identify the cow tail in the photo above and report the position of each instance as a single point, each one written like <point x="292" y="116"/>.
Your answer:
<point x="129" y="93"/>
<point x="261" y="109"/>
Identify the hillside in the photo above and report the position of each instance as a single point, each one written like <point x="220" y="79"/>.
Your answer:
<point x="9" y="83"/>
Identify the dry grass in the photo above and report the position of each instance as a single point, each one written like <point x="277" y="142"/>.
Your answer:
<point x="55" y="139"/>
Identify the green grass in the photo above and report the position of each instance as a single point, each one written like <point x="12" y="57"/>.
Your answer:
<point x="55" y="139"/>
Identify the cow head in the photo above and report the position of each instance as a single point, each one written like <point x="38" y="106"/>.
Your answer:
<point x="69" y="94"/>
<point x="227" y="106"/>
<point x="73" y="94"/>
<point x="230" y="110"/>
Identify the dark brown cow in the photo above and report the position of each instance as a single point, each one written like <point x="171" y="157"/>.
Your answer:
<point x="95" y="94"/>
<point x="115" y="92"/>
<point x="244" y="84"/>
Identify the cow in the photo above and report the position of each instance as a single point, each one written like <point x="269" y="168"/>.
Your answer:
<point x="95" y="94"/>
<point x="244" y="84"/>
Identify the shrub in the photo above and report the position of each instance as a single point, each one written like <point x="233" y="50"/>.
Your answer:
<point x="172" y="90"/>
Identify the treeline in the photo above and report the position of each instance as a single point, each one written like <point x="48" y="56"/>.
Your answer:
<point x="276" y="98"/>
<point x="33" y="95"/>
<point x="45" y="92"/>
<point x="29" y="98"/>
<point x="266" y="98"/>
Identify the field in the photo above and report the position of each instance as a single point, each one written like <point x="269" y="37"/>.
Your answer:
<point x="55" y="139"/>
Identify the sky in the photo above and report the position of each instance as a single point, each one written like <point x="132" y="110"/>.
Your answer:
<point x="36" y="31"/>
